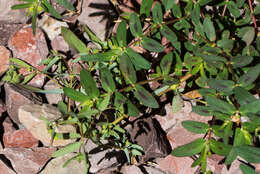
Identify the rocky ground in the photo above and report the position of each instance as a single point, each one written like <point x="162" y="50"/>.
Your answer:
<point x="25" y="144"/>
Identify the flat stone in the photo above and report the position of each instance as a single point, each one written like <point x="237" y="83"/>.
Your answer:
<point x="31" y="49"/>
<point x="56" y="166"/>
<point x="25" y="161"/>
<point x="52" y="98"/>
<point x="16" y="97"/>
<point x="4" y="59"/>
<point x="131" y="169"/>
<point x="51" y="26"/>
<point x="102" y="159"/>
<point x="30" y="116"/>
<point x="8" y="125"/>
<point x="59" y="44"/>
<point x="4" y="169"/>
<point x="12" y="16"/>
<point x="97" y="15"/>
<point x="6" y="30"/>
<point x="20" y="138"/>
<point x="149" y="134"/>
<point x="234" y="168"/>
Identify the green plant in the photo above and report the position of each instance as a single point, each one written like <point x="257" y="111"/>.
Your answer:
<point x="214" y="48"/>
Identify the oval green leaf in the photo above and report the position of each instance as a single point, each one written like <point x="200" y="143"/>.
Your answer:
<point x="88" y="84"/>
<point x="127" y="68"/>
<point x="145" y="97"/>
<point x="152" y="45"/>
<point x="107" y="80"/>
<point x="67" y="149"/>
<point x="195" y="126"/>
<point x="135" y="25"/>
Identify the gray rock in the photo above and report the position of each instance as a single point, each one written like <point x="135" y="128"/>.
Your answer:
<point x="25" y="161"/>
<point x="12" y="16"/>
<point x="16" y="97"/>
<point x="56" y="166"/>
<point x="149" y="134"/>
<point x="52" y="98"/>
<point x="101" y="159"/>
<point x="97" y="15"/>
<point x="30" y="117"/>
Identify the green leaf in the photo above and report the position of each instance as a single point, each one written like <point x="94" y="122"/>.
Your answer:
<point x="243" y="96"/>
<point x="220" y="105"/>
<point x="20" y="62"/>
<point x="202" y="110"/>
<point x="169" y="34"/>
<point x="252" y="107"/>
<point x="250" y="76"/>
<point x="204" y="2"/>
<point x="219" y="147"/>
<point x="51" y="9"/>
<point x="127" y="155"/>
<point x="226" y="44"/>
<point x="132" y="109"/>
<point x="135" y="25"/>
<point x="182" y="24"/>
<point x="247" y="34"/>
<point x="168" y="4"/>
<point x="107" y="80"/>
<point x="257" y="9"/>
<point x="189" y="149"/>
<point x="231" y="156"/>
<point x="94" y="38"/>
<point x="75" y="95"/>
<point x="73" y="40"/>
<point x="146" y="7"/>
<point x="195" y="14"/>
<point x="28" y="78"/>
<point x="166" y="63"/>
<point x="157" y="13"/>
<point x="177" y="103"/>
<point x="138" y="61"/>
<point x="67" y="149"/>
<point x="51" y="63"/>
<point x="34" y="19"/>
<point x="119" y="99"/>
<point x="121" y="34"/>
<point x="209" y="29"/>
<point x="152" y="45"/>
<point x="249" y="153"/>
<point x="232" y="7"/>
<point x="88" y="84"/>
<point x="127" y="68"/>
<point x="176" y="10"/>
<point x="225" y="86"/>
<point x="62" y="107"/>
<point x="195" y="126"/>
<point x="21" y="6"/>
<point x="240" y="61"/>
<point x="66" y="4"/>
<point x="104" y="103"/>
<point x="145" y="97"/>
<point x="247" y="170"/>
<point x="98" y="57"/>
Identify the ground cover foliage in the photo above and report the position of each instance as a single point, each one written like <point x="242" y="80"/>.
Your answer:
<point x="212" y="46"/>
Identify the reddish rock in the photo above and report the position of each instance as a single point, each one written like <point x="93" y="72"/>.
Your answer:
<point x="26" y="160"/>
<point x="20" y="138"/>
<point x="4" y="59"/>
<point x="32" y="49"/>
<point x="14" y="99"/>
<point x="59" y="44"/>
<point x="4" y="169"/>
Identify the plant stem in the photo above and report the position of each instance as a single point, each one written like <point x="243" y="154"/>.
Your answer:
<point x="252" y="11"/>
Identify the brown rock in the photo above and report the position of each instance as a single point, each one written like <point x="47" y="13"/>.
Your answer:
<point x="25" y="161"/>
<point x="20" y="138"/>
<point x="16" y="97"/>
<point x="149" y="134"/>
<point x="59" y="44"/>
<point x="12" y="16"/>
<point x="97" y="23"/>
<point x="31" y="117"/>
<point x="8" y="125"/>
<point x="4" y="59"/>
<point x="32" y="49"/>
<point x="6" y="30"/>
<point x="2" y="107"/>
<point x="4" y="169"/>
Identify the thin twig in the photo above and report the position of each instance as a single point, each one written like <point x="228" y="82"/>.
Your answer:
<point x="252" y="11"/>
<point x="225" y="8"/>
